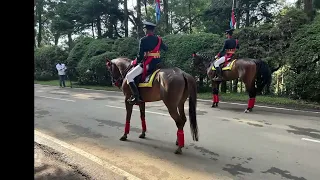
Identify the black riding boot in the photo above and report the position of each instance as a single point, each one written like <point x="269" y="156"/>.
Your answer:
<point x="218" y="72"/>
<point x="135" y="98"/>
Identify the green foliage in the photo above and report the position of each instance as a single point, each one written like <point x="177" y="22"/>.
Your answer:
<point x="304" y="57"/>
<point x="45" y="59"/>
<point x="93" y="70"/>
<point x="76" y="54"/>
<point x="97" y="47"/>
<point x="127" y="47"/>
<point x="181" y="47"/>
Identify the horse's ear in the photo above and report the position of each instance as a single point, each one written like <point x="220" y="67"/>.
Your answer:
<point x="108" y="62"/>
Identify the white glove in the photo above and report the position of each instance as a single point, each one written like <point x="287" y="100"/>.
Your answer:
<point x="216" y="57"/>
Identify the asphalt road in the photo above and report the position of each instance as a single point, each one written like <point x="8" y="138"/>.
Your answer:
<point x="264" y="144"/>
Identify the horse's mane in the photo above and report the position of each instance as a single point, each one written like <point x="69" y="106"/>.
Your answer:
<point x="119" y="59"/>
<point x="122" y="63"/>
<point x="207" y="56"/>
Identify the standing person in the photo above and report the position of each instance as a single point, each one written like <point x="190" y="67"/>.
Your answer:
<point x="62" y="73"/>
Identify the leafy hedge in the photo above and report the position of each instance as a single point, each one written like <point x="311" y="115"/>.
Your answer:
<point x="45" y="60"/>
<point x="304" y="59"/>
<point x="92" y="53"/>
<point x="181" y="47"/>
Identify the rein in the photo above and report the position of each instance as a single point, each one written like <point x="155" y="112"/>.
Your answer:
<point x="118" y="82"/>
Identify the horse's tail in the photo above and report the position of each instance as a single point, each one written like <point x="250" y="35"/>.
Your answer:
<point x="263" y="75"/>
<point x="192" y="89"/>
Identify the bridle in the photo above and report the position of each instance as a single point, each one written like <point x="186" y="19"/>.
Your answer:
<point x="118" y="82"/>
<point x="203" y="62"/>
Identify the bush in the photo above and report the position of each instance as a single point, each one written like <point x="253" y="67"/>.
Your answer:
<point x="93" y="71"/>
<point x="45" y="59"/>
<point x="304" y="57"/>
<point x="127" y="47"/>
<point x="181" y="47"/>
<point x="97" y="47"/>
<point x="44" y="76"/>
<point x="76" y="55"/>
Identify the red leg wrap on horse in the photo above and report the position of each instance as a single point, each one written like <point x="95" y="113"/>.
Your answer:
<point x="215" y="98"/>
<point x="144" y="126"/>
<point x="127" y="127"/>
<point x="251" y="102"/>
<point x="180" y="135"/>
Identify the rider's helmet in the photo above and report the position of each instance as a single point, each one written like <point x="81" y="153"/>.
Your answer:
<point x="149" y="25"/>
<point x="229" y="31"/>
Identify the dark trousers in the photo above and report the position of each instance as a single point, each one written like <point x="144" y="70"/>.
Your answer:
<point x="62" y="80"/>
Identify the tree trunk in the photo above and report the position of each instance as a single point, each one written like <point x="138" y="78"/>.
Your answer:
<point x="110" y="27"/>
<point x="171" y="28"/>
<point x="92" y="29"/>
<point x="237" y="14"/>
<point x="190" y="20"/>
<point x="56" y="38"/>
<point x="99" y="35"/>
<point x="139" y="23"/>
<point x="247" y="14"/>
<point x="70" y="40"/>
<point x="35" y="36"/>
<point x="308" y="8"/>
<point x="126" y="16"/>
<point x="39" y="15"/>
<point x="166" y="16"/>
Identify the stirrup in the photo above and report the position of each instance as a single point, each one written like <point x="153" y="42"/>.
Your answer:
<point x="134" y="100"/>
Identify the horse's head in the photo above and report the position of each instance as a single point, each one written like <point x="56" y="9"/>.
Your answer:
<point x="118" y="69"/>
<point x="202" y="62"/>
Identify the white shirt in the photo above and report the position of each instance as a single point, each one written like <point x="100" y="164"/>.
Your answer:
<point x="61" y="69"/>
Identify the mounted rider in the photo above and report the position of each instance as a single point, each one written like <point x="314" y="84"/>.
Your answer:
<point x="147" y="60"/>
<point x="226" y="53"/>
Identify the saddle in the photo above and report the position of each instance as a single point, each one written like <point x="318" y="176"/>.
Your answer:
<point x="147" y="82"/>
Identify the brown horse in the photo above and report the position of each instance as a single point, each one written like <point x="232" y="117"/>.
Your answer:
<point x="254" y="73"/>
<point x="171" y="85"/>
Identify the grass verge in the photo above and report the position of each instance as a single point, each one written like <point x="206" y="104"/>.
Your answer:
<point x="229" y="97"/>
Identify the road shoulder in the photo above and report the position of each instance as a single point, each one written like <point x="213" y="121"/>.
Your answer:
<point x="68" y="161"/>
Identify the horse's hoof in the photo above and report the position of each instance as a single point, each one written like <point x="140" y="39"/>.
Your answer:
<point x="178" y="151"/>
<point x="214" y="105"/>
<point x="142" y="135"/>
<point x="123" y="138"/>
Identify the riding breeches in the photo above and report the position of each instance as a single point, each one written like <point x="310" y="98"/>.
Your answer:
<point x="219" y="61"/>
<point x="136" y="71"/>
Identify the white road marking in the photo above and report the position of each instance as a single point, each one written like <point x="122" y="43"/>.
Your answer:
<point x="311" y="140"/>
<point x="268" y="107"/>
<point x="70" y="100"/>
<point x="89" y="156"/>
<point x="315" y="132"/>
<point x="204" y="100"/>
<point x="139" y="110"/>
